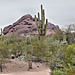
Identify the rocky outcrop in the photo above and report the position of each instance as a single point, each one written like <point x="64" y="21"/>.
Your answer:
<point x="26" y="26"/>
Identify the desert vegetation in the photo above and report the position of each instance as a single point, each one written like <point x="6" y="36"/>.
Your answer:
<point x="54" y="49"/>
<point x="58" y="49"/>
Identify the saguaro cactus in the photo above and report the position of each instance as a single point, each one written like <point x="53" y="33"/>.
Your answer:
<point x="1" y="61"/>
<point x="1" y="32"/>
<point x="41" y="26"/>
<point x="29" y="52"/>
<point x="64" y="38"/>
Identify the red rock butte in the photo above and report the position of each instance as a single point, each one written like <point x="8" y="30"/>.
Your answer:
<point x="26" y="26"/>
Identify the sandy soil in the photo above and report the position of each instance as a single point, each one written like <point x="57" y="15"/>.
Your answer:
<point x="18" y="67"/>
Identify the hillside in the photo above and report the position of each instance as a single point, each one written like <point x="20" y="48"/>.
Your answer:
<point x="26" y="26"/>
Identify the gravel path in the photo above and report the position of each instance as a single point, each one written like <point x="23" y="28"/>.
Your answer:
<point x="46" y="72"/>
<point x="17" y="67"/>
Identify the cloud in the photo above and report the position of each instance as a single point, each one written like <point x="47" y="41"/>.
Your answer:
<point x="59" y="12"/>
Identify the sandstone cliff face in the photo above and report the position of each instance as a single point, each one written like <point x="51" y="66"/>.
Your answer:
<point x="26" y="26"/>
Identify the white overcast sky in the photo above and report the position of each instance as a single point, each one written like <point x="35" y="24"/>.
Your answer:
<point x="59" y="12"/>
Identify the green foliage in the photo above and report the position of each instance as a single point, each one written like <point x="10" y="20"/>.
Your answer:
<point x="17" y="48"/>
<point x="58" y="72"/>
<point x="57" y="56"/>
<point x="63" y="61"/>
<point x="4" y="53"/>
<point x="70" y="34"/>
<point x="58" y="35"/>
<point x="70" y="54"/>
<point x="70" y="59"/>
<point x="48" y="49"/>
<point x="51" y="49"/>
<point x="40" y="50"/>
<point x="14" y="38"/>
<point x="71" y="71"/>
<point x="16" y="45"/>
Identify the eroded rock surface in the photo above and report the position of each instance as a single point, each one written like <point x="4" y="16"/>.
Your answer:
<point x="26" y="26"/>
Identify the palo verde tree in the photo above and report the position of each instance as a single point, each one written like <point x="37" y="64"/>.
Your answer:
<point x="70" y="34"/>
<point x="41" y="26"/>
<point x="58" y="35"/>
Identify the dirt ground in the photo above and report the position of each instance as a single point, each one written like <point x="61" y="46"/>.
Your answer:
<point x="20" y="67"/>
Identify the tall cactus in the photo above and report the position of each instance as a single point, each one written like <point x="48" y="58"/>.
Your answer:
<point x="41" y="26"/>
<point x="1" y="32"/>
<point x="64" y="38"/>
<point x="29" y="52"/>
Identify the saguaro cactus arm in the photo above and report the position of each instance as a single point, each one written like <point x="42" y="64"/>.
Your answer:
<point x="46" y="26"/>
<point x="36" y="21"/>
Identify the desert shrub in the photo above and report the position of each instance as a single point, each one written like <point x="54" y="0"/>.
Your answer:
<point x="64" y="58"/>
<point x="39" y="49"/>
<point x="71" y="71"/>
<point x="4" y="53"/>
<point x="14" y="38"/>
<point x="70" y="34"/>
<point x="58" y="72"/>
<point x="17" y="48"/>
<point x="70" y="54"/>
<point x="57" y="54"/>
<point x="70" y="59"/>
<point x="16" y="44"/>
<point x="58" y="35"/>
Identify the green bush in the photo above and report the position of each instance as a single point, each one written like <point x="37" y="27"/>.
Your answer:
<point x="4" y="53"/>
<point x="58" y="72"/>
<point x="40" y="50"/>
<point x="71" y="71"/>
<point x="70" y="54"/>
